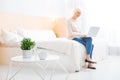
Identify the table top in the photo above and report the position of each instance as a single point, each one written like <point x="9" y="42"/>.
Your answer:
<point x="33" y="59"/>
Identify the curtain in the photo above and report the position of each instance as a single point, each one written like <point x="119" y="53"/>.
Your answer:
<point x="70" y="5"/>
<point x="101" y="13"/>
<point x="106" y="15"/>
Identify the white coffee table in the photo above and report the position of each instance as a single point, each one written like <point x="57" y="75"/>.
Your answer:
<point x="34" y="60"/>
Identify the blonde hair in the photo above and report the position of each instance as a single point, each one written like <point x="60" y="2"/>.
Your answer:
<point x="76" y="10"/>
<point x="73" y="11"/>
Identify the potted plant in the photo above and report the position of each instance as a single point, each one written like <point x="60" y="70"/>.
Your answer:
<point x="27" y="45"/>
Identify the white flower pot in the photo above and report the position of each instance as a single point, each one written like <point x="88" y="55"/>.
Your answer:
<point x="42" y="54"/>
<point x="27" y="54"/>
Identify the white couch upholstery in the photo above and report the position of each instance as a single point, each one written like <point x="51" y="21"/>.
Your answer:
<point x="73" y="61"/>
<point x="71" y="52"/>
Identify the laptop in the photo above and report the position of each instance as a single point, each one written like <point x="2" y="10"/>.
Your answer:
<point x="93" y="31"/>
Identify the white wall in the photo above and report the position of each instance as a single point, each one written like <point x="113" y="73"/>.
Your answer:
<point x="106" y="15"/>
<point x="103" y="13"/>
<point x="45" y="8"/>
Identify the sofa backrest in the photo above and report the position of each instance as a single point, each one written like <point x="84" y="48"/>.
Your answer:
<point x="12" y="21"/>
<point x="39" y="35"/>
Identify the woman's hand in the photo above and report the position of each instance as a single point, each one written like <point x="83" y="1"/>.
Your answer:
<point x="81" y="35"/>
<point x="84" y="35"/>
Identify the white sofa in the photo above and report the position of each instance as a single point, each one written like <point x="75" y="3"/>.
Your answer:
<point x="73" y="60"/>
<point x="73" y="51"/>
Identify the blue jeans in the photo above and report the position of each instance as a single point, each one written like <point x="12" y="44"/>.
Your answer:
<point x="87" y="42"/>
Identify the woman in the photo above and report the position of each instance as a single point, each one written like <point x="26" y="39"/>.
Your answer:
<point x="74" y="33"/>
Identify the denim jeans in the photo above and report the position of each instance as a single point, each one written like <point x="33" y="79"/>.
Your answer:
<point x="87" y="42"/>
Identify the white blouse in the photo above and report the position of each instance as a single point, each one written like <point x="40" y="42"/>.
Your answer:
<point x="73" y="28"/>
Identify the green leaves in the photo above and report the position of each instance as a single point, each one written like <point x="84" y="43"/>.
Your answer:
<point x="27" y="44"/>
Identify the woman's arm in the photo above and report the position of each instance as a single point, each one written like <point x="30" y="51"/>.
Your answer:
<point x="75" y="32"/>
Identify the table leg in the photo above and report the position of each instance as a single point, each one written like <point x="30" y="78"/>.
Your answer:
<point x="53" y="71"/>
<point x="61" y="65"/>
<point x="38" y="74"/>
<point x="44" y="70"/>
<point x="9" y="70"/>
<point x="16" y="73"/>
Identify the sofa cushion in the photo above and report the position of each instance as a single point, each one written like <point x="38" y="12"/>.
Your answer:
<point x="37" y="35"/>
<point x="10" y="38"/>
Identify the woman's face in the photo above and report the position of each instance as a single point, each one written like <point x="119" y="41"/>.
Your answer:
<point x="77" y="14"/>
